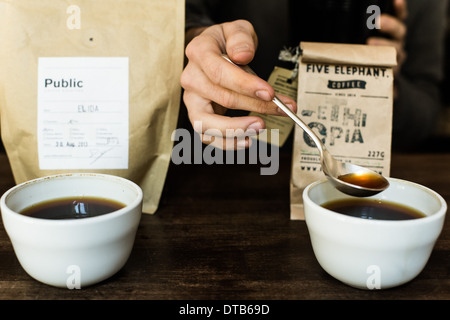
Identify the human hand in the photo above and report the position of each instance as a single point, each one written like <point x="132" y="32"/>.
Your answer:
<point x="212" y="85"/>
<point x="395" y="28"/>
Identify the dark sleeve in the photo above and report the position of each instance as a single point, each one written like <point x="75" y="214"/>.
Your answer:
<point x="197" y="14"/>
<point x="419" y="101"/>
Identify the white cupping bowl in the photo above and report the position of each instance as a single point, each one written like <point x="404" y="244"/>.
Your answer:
<point x="374" y="254"/>
<point x="76" y="252"/>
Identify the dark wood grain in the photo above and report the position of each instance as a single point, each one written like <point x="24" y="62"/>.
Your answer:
<point x="224" y="232"/>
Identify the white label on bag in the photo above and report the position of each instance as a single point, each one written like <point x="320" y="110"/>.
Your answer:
<point x="83" y="113"/>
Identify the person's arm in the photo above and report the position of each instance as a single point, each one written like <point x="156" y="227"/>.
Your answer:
<point x="418" y="102"/>
<point x="417" y="32"/>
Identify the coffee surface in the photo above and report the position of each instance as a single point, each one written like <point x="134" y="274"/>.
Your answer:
<point x="373" y="209"/>
<point x="72" y="208"/>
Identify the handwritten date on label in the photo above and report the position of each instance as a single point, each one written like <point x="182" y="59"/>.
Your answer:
<point x="70" y="144"/>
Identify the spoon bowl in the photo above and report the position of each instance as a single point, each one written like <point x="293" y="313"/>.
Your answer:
<point x="348" y="178"/>
<point x="353" y="179"/>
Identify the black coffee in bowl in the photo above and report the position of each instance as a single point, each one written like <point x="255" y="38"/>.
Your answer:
<point x="72" y="208"/>
<point x="373" y="209"/>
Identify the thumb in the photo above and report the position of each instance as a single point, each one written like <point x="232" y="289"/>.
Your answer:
<point x="241" y="41"/>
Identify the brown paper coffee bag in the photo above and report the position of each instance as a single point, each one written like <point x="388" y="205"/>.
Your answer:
<point x="345" y="93"/>
<point x="91" y="86"/>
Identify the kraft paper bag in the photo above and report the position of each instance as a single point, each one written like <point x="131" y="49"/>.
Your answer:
<point x="91" y="86"/>
<point x="345" y="93"/>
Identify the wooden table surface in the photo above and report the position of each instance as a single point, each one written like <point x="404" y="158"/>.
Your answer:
<point x="224" y="232"/>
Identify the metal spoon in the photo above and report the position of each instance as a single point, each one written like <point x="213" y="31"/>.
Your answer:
<point x="349" y="178"/>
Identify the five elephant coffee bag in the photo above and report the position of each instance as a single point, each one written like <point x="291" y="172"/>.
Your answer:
<point x="345" y="94"/>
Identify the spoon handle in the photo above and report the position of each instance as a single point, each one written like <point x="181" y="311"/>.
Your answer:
<point x="299" y="122"/>
<point x="286" y="110"/>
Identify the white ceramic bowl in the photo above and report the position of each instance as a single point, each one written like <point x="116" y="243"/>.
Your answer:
<point x="374" y="254"/>
<point x="77" y="252"/>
